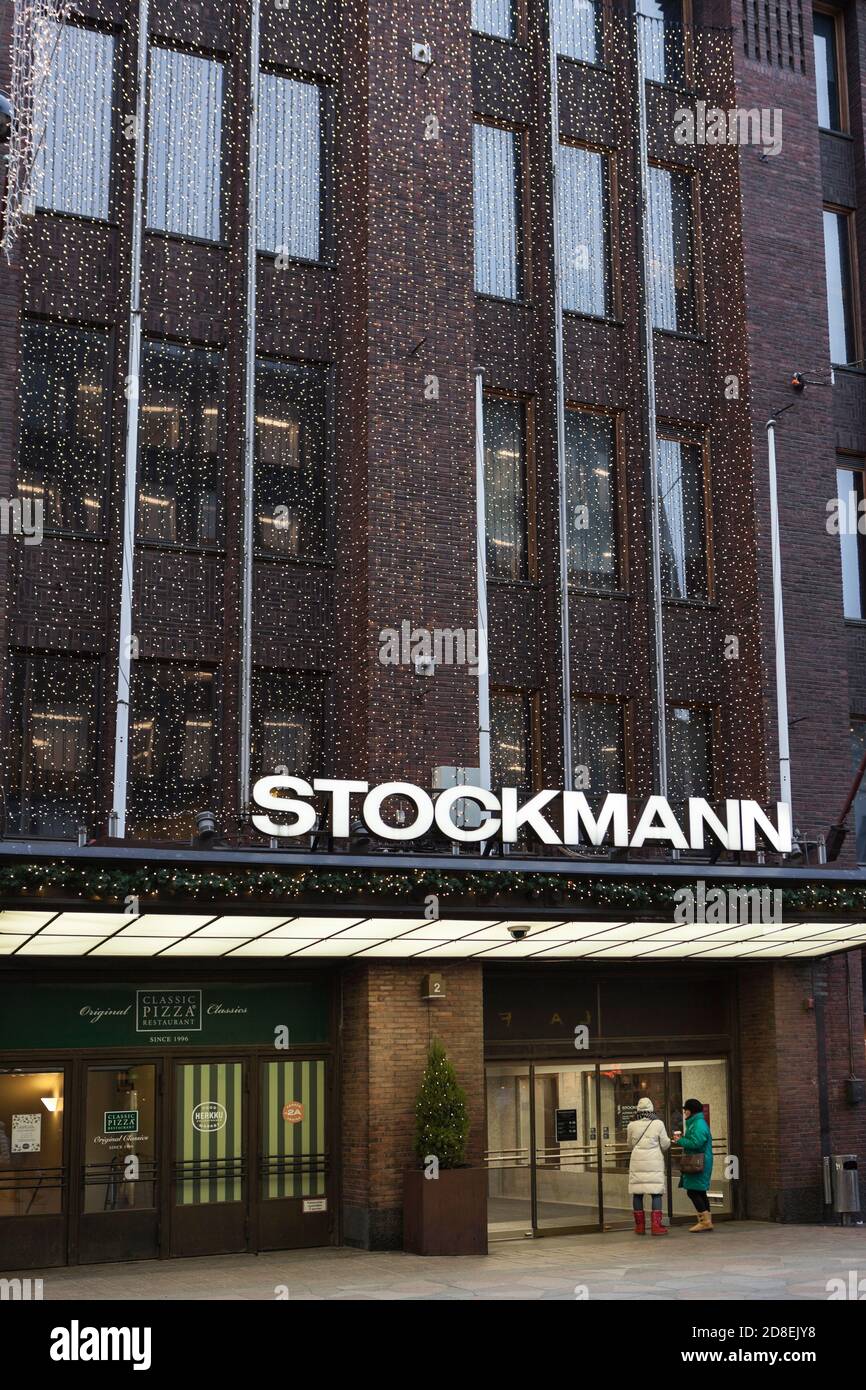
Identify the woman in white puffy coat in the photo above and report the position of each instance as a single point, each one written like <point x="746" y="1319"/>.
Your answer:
<point x="649" y="1142"/>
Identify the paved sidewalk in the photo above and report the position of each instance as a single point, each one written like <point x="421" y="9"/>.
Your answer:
<point x="744" y="1261"/>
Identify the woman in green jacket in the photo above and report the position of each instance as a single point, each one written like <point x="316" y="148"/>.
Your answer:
<point x="697" y="1139"/>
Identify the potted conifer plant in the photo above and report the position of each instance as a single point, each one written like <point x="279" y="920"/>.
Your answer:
<point x="444" y="1199"/>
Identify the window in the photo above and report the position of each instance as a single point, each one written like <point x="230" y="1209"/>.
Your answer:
<point x="598" y="758"/>
<point x="287" y="723"/>
<point x="662" y="40"/>
<point x="858" y="748"/>
<point x="62" y="459"/>
<point x="690" y="752"/>
<point x="496" y="202"/>
<point x="850" y="491"/>
<point x="828" y="51"/>
<point x="841" y="315"/>
<point x="505" y="487"/>
<point x="510" y="739"/>
<point x="494" y="17"/>
<point x="671" y="237"/>
<point x="291" y="457"/>
<point x="590" y="486"/>
<point x="52" y="740"/>
<point x="184" y="144"/>
<point x="178" y="445"/>
<point x="73" y="161"/>
<point x="584" y="217"/>
<point x="172" y="748"/>
<point x="682" y="520"/>
<point x="577" y="29"/>
<point x="289" y="167"/>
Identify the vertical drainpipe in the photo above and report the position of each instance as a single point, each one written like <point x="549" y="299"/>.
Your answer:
<point x="130" y="488"/>
<point x="246" y="654"/>
<point x="481" y="585"/>
<point x="565" y="636"/>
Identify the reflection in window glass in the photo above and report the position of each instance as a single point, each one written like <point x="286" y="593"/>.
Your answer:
<point x="72" y="166"/>
<point x="682" y="520"/>
<point x="577" y="29"/>
<point x="289" y="166"/>
<point x="671" y="238"/>
<point x="290" y="491"/>
<point x="494" y="17"/>
<point x="184" y="144"/>
<point x="287" y="723"/>
<point x="31" y="1143"/>
<point x="590" y="487"/>
<point x="827" y="71"/>
<point x="178" y="445"/>
<point x="172" y="773"/>
<point x="505" y="487"/>
<point x="62" y="463"/>
<point x="583" y="239"/>
<point x="690" y="762"/>
<point x="598" y="756"/>
<point x="120" y="1121"/>
<point x="661" y="40"/>
<point x="510" y="741"/>
<point x="840" y="305"/>
<point x="495" y="200"/>
<point x="849" y="489"/>
<point x="52" y="731"/>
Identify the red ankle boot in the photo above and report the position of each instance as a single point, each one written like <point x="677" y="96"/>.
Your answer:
<point x="639" y="1223"/>
<point x="658" y="1229"/>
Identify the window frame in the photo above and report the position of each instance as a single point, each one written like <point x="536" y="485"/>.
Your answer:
<point x="692" y="176"/>
<point x="532" y="726"/>
<point x="190" y="50"/>
<point x="327" y="151"/>
<point x="530" y="480"/>
<point x="215" y="668"/>
<point x="838" y="19"/>
<point x="522" y="208"/>
<point x="624" y="704"/>
<point x="613" y="260"/>
<point x="697" y="439"/>
<point x="620" y="499"/>
<point x="714" y="725"/>
<point x="847" y="462"/>
<point x="329" y="558"/>
<point x="688" y="47"/>
<point x="603" y="30"/>
<point x="519" y="25"/>
<point x="850" y="216"/>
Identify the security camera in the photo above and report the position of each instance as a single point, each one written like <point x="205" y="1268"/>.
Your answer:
<point x="518" y="931"/>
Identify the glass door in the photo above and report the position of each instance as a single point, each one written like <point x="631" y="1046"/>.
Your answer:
<point x="706" y="1081"/>
<point x="119" y="1208"/>
<point x="33" y="1185"/>
<point x="294" y="1207"/>
<point x="209" y="1187"/>
<point x="509" y="1177"/>
<point x="566" y="1147"/>
<point x="622" y="1085"/>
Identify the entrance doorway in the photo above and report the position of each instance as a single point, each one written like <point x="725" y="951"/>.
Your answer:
<point x="557" y="1152"/>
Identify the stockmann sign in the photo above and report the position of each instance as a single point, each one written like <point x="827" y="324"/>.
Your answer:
<point x="737" y="828"/>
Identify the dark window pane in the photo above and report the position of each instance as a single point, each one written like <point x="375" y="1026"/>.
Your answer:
<point x="840" y="305"/>
<point x="287" y="724"/>
<point x="290" y="495"/>
<point x="52" y="736"/>
<point x="849" y="488"/>
<point x="172" y="773"/>
<point x="827" y="72"/>
<point x="598" y="760"/>
<point x="510" y="739"/>
<point x="690" y="762"/>
<point x="671" y="237"/>
<point x="682" y="520"/>
<point x="505" y="487"/>
<point x="858" y="748"/>
<point x="62" y="462"/>
<point x="590" y="481"/>
<point x="178" y="445"/>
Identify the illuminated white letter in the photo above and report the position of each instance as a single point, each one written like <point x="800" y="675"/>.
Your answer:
<point x="668" y="830"/>
<point x="341" y="791"/>
<point x="701" y="814"/>
<point x="779" y="835"/>
<point x="373" y="819"/>
<point x="445" y="804"/>
<point x="576" y="812"/>
<point x="264" y="794"/>
<point x="530" y="814"/>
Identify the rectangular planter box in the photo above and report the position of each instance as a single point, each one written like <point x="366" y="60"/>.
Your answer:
<point x="445" y="1215"/>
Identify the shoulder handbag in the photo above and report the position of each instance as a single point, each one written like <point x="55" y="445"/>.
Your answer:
<point x="691" y="1161"/>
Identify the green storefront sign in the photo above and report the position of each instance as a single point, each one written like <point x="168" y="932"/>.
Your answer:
<point x="81" y="1015"/>
<point x="120" y="1122"/>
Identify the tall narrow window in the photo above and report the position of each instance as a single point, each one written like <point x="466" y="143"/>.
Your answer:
<point x="496" y="202"/>
<point x="178" y="440"/>
<point x="858" y="748"/>
<point x="52" y="745"/>
<point x="172" y="773"/>
<point x="184" y="144"/>
<point x="690" y="752"/>
<point x="577" y="29"/>
<point x="851" y="492"/>
<point x="584" y="217"/>
<point x="827" y="28"/>
<point x="287" y="723"/>
<point x="289" y="167"/>
<point x="510" y="739"/>
<point x="73" y="161"/>
<point x="494" y="17"/>
<point x="682" y="520"/>
<point x="505" y="487"/>
<point x="598" y="757"/>
<point x="662" y="40"/>
<point x="841" y="311"/>
<point x="290" y="482"/>
<point x="671" y="237"/>
<point x="590" y="487"/>
<point x="62" y="459"/>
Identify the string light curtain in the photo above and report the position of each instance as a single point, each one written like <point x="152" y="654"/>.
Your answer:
<point x="681" y="508"/>
<point x="184" y="144"/>
<point x="583" y="238"/>
<point x="672" y="275"/>
<point x="505" y="487"/>
<point x="597" y="742"/>
<point x="71" y="172"/>
<point x="289" y="166"/>
<point x="494" y="17"/>
<point x="497" y="270"/>
<point x="690" y="752"/>
<point x="590" y="454"/>
<point x="577" y="29"/>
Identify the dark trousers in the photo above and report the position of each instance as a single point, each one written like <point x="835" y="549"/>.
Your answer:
<point x="700" y="1201"/>
<point x="637" y="1201"/>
